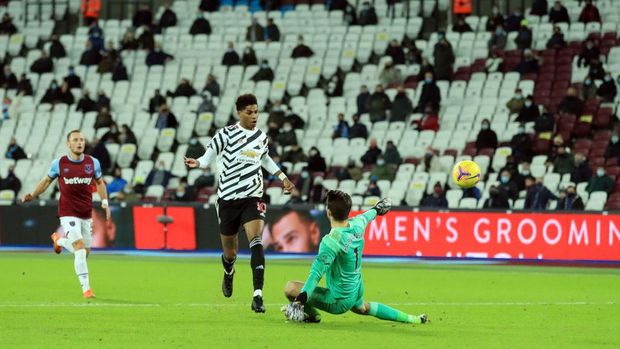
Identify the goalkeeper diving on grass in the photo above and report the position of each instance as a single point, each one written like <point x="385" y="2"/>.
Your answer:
<point x="340" y="260"/>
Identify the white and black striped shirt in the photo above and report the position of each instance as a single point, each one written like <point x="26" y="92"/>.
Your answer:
<point x="240" y="155"/>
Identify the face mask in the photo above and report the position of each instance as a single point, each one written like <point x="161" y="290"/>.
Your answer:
<point x="525" y="173"/>
<point x="127" y="190"/>
<point x="304" y="175"/>
<point x="113" y="130"/>
<point x="54" y="86"/>
<point x="287" y="129"/>
<point x="313" y="153"/>
<point x="600" y="172"/>
<point x="528" y="104"/>
<point x="504" y="179"/>
<point x="518" y="96"/>
<point x="608" y="78"/>
<point x="193" y="141"/>
<point x="485" y="126"/>
<point x="428" y="80"/>
<point x="589" y="46"/>
<point x="588" y="82"/>
<point x="614" y="139"/>
<point x="381" y="162"/>
<point x="264" y="66"/>
<point x="521" y="130"/>
<point x="498" y="31"/>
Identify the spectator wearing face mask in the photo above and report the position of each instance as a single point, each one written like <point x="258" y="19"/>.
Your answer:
<point x="287" y="136"/>
<point x="588" y="89"/>
<point x="515" y="104"/>
<point x="52" y="94"/>
<point x="430" y="96"/>
<point x="358" y="129"/>
<point x="158" y="176"/>
<point x="499" y="39"/>
<point x="295" y="155"/>
<point x="600" y="182"/>
<point x="401" y="106"/>
<point x="613" y="148"/>
<point x="539" y="8"/>
<point x="383" y="171"/>
<point x="487" y="138"/>
<point x="524" y="36"/>
<point x="185" y="192"/>
<point x="368" y="15"/>
<point x="117" y="184"/>
<point x="522" y="174"/>
<point x="521" y="145"/>
<point x="545" y="123"/>
<point x="255" y="31"/>
<point x="607" y="91"/>
<point x="231" y="57"/>
<point x="11" y="182"/>
<point x="390" y="75"/>
<point x="378" y="104"/>
<point x="589" y="13"/>
<point x="569" y="200"/>
<point x="496" y="200"/>
<point x="301" y="50"/>
<point x="507" y="186"/>
<point x="529" y="112"/>
<point x="571" y="104"/>
<point x="201" y="25"/>
<point x="195" y="149"/>
<point x="362" y="100"/>
<point x="436" y="199"/>
<point x="429" y="120"/>
<point x="249" y="57"/>
<point x="597" y="71"/>
<point x="529" y="64"/>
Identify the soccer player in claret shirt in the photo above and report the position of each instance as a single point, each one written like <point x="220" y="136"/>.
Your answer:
<point x="75" y="173"/>
<point x="340" y="259"/>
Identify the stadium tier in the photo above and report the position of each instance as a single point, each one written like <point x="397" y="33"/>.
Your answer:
<point x="480" y="85"/>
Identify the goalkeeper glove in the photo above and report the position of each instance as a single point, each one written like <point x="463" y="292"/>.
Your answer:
<point x="301" y="298"/>
<point x="383" y="206"/>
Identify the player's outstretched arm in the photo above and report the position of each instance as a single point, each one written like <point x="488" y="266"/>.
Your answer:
<point x="41" y="187"/>
<point x="271" y="167"/>
<point x="382" y="207"/>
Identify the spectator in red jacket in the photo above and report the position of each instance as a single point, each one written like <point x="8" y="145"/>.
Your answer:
<point x="589" y="13"/>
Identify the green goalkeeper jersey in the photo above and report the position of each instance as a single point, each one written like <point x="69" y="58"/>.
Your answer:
<point x="340" y="258"/>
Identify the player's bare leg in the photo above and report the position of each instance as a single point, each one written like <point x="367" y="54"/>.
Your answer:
<point x="292" y="290"/>
<point x="57" y="248"/>
<point x="254" y="231"/>
<point x="81" y="268"/>
<point x="384" y="312"/>
<point x="230" y="246"/>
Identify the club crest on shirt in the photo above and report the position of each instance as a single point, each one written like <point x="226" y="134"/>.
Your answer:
<point x="249" y="153"/>
<point x="88" y="168"/>
<point x="72" y="223"/>
<point x="66" y="170"/>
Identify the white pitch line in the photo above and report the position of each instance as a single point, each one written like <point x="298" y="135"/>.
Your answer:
<point x="205" y="305"/>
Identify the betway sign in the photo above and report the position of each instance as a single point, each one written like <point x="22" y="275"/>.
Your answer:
<point x="495" y="235"/>
<point x="78" y="180"/>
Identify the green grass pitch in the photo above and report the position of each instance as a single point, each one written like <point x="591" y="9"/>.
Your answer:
<point x="154" y="302"/>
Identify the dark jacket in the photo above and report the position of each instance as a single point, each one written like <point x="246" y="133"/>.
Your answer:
<point x="57" y="50"/>
<point x="586" y="55"/>
<point x="545" y="123"/>
<point x="371" y="155"/>
<point x="209" y="5"/>
<point x="263" y="74"/>
<point x="8" y="82"/>
<point x="607" y="91"/>
<point x="397" y="53"/>
<point x="559" y="16"/>
<point x="272" y="33"/>
<point x="497" y="201"/>
<point x="231" y="58"/>
<point x="368" y="17"/>
<point x="378" y="104"/>
<point x="571" y="105"/>
<point x="570" y="204"/>
<point x="317" y="163"/>
<point x="612" y="150"/>
<point x="147" y="41"/>
<point x="358" y="130"/>
<point x="539" y="8"/>
<point x="524" y="38"/>
<point x="528" y="114"/>
<point x="42" y="65"/>
<point x="24" y="86"/>
<point x="537" y="197"/>
<point x="73" y="81"/>
<point x="168" y="19"/>
<point x="302" y="51"/>
<point x="155" y="102"/>
<point x="430" y="96"/>
<point x="486" y="139"/>
<point x="120" y="72"/>
<point x="556" y="41"/>
<point x="257" y="31"/>
<point x="401" y="107"/>
<point x="444" y="60"/>
<point x="157" y="58"/>
<point x="362" y="102"/>
<point x="200" y="26"/>
<point x="183" y="91"/>
<point x="86" y="104"/>
<point x="90" y="57"/>
<point x="581" y="173"/>
<point x="15" y="152"/>
<point x="434" y="201"/>
<point x="142" y="17"/>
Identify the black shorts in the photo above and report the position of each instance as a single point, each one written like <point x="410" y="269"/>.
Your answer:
<point x="233" y="214"/>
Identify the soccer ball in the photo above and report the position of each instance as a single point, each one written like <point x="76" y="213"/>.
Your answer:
<point x="466" y="174"/>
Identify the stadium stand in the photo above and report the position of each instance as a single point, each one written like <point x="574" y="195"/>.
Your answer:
<point x="319" y="88"/>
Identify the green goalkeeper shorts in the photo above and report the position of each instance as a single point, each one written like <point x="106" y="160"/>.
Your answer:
<point x="323" y="299"/>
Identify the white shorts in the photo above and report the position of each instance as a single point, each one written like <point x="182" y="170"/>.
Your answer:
<point x="78" y="229"/>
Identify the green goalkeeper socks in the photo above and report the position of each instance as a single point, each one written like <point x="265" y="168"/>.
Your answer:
<point x="383" y="312"/>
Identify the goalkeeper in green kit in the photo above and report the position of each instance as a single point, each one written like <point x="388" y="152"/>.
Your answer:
<point x="340" y="259"/>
